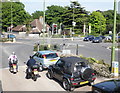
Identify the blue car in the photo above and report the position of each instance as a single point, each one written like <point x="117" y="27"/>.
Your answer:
<point x="11" y="36"/>
<point x="88" y="38"/>
<point x="97" y="40"/>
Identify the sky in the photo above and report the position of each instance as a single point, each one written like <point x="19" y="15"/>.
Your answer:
<point x="90" y="5"/>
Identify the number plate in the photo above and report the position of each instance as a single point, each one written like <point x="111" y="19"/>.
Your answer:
<point x="52" y="60"/>
<point x="81" y="83"/>
<point x="14" y="66"/>
<point x="35" y="71"/>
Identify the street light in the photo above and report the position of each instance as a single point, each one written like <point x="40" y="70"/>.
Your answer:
<point x="44" y="22"/>
<point x="73" y="23"/>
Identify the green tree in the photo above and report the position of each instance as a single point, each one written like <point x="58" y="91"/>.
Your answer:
<point x="13" y="13"/>
<point x="37" y="14"/>
<point x="54" y="14"/>
<point x="98" y="22"/>
<point x="79" y="14"/>
<point x="109" y="15"/>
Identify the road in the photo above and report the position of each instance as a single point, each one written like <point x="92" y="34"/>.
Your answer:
<point x="24" y="48"/>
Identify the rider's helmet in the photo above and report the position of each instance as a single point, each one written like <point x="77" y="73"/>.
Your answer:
<point x="13" y="53"/>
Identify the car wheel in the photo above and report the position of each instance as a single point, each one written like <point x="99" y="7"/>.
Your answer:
<point x="91" y="83"/>
<point x="49" y="74"/>
<point x="40" y="68"/>
<point x="66" y="85"/>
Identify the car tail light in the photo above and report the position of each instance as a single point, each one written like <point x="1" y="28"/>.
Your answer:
<point x="93" y="74"/>
<point x="93" y="78"/>
<point x="74" y="83"/>
<point x="57" y="54"/>
<point x="71" y="78"/>
<point x="44" y="56"/>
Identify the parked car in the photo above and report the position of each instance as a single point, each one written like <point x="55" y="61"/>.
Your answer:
<point x="103" y="37"/>
<point x="97" y="40"/>
<point x="108" y="37"/>
<point x="88" y="38"/>
<point x="11" y="36"/>
<point x="71" y="72"/>
<point x="45" y="58"/>
<point x="110" y="86"/>
<point x="2" y="35"/>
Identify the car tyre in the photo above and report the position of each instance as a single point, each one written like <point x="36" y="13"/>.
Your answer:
<point x="49" y="74"/>
<point x="91" y="83"/>
<point x="66" y="85"/>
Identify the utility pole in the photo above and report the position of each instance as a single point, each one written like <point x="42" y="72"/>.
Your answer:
<point x="44" y="22"/>
<point x="113" y="68"/>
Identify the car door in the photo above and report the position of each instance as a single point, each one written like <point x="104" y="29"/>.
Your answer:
<point x="59" y="70"/>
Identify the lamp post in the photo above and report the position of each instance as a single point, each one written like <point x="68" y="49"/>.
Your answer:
<point x="73" y="23"/>
<point x="44" y="22"/>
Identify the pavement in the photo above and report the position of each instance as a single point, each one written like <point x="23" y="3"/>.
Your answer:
<point x="17" y="82"/>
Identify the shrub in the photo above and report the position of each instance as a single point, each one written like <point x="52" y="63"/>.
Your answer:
<point x="45" y="47"/>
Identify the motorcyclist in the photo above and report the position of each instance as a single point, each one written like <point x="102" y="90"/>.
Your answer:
<point x="30" y="64"/>
<point x="12" y="58"/>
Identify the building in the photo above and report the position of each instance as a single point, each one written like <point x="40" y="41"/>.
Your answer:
<point x="36" y="27"/>
<point x="19" y="28"/>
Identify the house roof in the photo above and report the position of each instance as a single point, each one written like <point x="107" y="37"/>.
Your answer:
<point x="19" y="28"/>
<point x="36" y="23"/>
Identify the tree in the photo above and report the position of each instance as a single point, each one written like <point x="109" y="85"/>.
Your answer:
<point x="13" y="13"/>
<point x="98" y="22"/>
<point x="37" y="14"/>
<point x="54" y="14"/>
<point x="109" y="15"/>
<point x="79" y="14"/>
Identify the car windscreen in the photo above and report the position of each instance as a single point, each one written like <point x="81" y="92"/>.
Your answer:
<point x="52" y="55"/>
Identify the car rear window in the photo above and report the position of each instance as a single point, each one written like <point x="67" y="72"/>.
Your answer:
<point x="52" y="55"/>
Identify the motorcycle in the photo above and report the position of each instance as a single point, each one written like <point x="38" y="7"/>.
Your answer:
<point x="32" y="72"/>
<point x="13" y="67"/>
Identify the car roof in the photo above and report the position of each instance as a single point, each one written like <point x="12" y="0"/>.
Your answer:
<point x="46" y="52"/>
<point x="72" y="59"/>
<point x="110" y="85"/>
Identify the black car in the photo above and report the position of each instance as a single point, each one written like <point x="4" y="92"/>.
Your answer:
<point x="110" y="86"/>
<point x="72" y="72"/>
<point x="97" y="40"/>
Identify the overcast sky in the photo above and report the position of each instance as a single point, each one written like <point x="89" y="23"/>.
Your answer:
<point x="90" y="5"/>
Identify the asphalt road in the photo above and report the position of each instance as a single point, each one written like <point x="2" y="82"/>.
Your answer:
<point x="24" y="48"/>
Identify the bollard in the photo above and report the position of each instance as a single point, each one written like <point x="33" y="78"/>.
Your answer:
<point x="71" y="38"/>
<point x="115" y="68"/>
<point x="77" y="49"/>
<point x="38" y="47"/>
<point x="49" y="46"/>
<point x="14" y="40"/>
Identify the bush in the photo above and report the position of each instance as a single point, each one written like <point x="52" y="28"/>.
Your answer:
<point x="5" y="40"/>
<point x="45" y="47"/>
<point x="107" y="41"/>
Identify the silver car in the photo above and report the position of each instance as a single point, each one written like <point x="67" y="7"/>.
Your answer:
<point x="45" y="58"/>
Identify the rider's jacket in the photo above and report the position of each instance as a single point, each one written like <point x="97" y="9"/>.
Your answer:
<point x="12" y="58"/>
